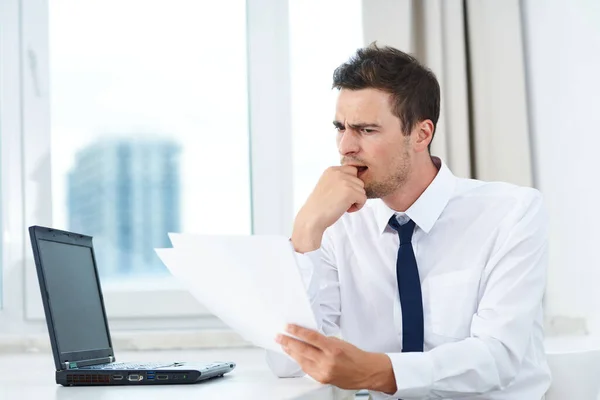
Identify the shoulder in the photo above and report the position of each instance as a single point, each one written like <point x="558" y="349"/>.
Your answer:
<point x="512" y="208"/>
<point x="501" y="195"/>
<point x="495" y="190"/>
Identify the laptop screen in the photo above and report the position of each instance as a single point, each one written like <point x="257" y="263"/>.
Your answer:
<point x="74" y="296"/>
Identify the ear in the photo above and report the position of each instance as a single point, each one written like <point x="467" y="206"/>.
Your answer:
<point x="422" y="134"/>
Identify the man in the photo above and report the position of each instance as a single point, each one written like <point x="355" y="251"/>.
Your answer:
<point x="436" y="284"/>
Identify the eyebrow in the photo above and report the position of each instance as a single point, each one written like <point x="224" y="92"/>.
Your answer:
<point x="357" y="126"/>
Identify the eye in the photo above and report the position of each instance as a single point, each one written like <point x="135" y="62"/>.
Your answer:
<point x="367" y="130"/>
<point x="340" y="128"/>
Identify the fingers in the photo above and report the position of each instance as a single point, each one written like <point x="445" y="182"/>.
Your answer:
<point x="359" y="199"/>
<point x="299" y="350"/>
<point x="355" y="207"/>
<point x="356" y="189"/>
<point x="348" y="169"/>
<point x="311" y="337"/>
<point x="353" y="178"/>
<point x="355" y="182"/>
<point x="346" y="173"/>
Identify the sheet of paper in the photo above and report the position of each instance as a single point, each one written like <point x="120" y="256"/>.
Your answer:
<point x="250" y="282"/>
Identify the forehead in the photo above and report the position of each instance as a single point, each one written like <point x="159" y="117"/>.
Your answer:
<point x="372" y="104"/>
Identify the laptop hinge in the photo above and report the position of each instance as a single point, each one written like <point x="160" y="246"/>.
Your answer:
<point x="87" y="363"/>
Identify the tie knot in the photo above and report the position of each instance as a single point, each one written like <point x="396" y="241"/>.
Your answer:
<point x="405" y="231"/>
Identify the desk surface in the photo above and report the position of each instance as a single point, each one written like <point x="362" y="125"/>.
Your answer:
<point x="31" y="376"/>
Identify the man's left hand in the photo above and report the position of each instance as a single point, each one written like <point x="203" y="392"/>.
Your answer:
<point x="333" y="361"/>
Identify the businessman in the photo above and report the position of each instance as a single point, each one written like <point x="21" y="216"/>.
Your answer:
<point x="424" y="285"/>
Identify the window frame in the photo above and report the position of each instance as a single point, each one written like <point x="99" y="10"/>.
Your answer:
<point x="11" y="315"/>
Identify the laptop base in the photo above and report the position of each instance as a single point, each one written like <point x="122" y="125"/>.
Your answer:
<point x="82" y="377"/>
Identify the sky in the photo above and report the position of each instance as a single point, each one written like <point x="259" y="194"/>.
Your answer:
<point x="178" y="69"/>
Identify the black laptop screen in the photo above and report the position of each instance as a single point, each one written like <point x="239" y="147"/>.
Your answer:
<point x="72" y="288"/>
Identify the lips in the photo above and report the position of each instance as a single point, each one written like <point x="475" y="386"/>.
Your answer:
<point x="360" y="169"/>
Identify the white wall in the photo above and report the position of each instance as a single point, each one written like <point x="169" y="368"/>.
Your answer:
<point x="563" y="67"/>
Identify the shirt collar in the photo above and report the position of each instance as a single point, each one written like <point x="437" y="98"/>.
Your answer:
<point x="426" y="210"/>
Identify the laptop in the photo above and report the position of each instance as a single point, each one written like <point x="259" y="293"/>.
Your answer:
<point x="77" y="323"/>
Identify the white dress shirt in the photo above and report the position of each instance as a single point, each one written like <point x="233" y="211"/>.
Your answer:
<point x="481" y="251"/>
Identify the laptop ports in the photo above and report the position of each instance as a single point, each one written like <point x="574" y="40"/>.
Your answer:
<point x="117" y="377"/>
<point x="135" y="378"/>
<point x="162" y="377"/>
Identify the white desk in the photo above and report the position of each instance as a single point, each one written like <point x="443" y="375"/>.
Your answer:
<point x="31" y="376"/>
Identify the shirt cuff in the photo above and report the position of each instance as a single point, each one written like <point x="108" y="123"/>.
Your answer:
<point x="413" y="373"/>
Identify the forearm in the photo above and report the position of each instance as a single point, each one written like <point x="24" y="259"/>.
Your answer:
<point x="469" y="367"/>
<point x="307" y="235"/>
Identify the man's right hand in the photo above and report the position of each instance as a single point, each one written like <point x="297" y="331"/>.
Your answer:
<point x="338" y="191"/>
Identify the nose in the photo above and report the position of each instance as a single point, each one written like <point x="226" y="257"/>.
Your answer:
<point x="348" y="142"/>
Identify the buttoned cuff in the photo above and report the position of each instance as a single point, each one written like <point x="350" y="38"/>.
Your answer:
<point x="413" y="373"/>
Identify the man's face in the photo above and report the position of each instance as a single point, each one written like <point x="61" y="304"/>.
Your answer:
<point x="370" y="137"/>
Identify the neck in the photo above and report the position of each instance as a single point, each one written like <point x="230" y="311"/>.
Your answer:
<point x="422" y="174"/>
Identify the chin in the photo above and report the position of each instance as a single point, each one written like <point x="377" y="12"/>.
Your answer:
<point x="371" y="192"/>
<point x="375" y="190"/>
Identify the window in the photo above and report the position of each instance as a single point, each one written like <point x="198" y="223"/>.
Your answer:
<point x="148" y="134"/>
<point x="149" y="125"/>
<point x="319" y="42"/>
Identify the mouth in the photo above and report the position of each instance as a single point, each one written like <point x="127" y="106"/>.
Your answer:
<point x="361" y="170"/>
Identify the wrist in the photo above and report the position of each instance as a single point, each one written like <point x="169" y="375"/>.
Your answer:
<point x="381" y="377"/>
<point x="306" y="236"/>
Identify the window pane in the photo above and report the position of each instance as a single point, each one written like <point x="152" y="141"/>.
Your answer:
<point x="323" y="34"/>
<point x="149" y="125"/>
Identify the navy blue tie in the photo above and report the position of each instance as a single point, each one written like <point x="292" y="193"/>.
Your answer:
<point x="409" y="287"/>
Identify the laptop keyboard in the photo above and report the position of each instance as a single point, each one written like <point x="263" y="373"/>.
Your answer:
<point x="129" y="366"/>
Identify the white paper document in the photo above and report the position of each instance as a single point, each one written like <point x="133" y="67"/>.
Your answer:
<point x="251" y="283"/>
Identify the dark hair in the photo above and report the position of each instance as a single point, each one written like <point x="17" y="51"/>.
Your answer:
<point x="414" y="88"/>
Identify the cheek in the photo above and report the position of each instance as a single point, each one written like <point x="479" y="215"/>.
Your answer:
<point x="381" y="166"/>
<point x="381" y="158"/>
